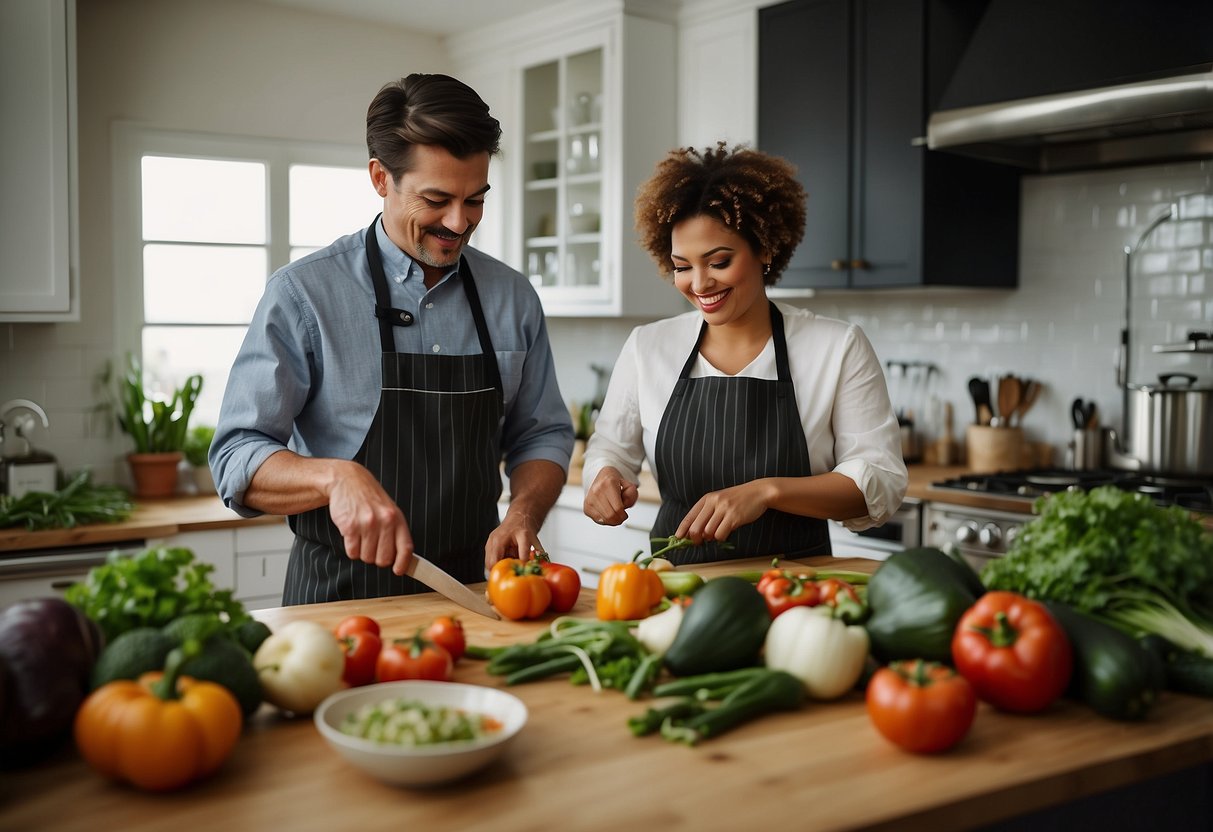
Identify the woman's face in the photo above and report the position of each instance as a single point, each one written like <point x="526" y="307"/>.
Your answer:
<point x="716" y="269"/>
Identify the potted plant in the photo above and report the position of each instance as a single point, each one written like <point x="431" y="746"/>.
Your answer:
<point x="158" y="427"/>
<point x="197" y="446"/>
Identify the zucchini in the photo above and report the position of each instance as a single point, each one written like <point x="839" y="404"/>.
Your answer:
<point x="1186" y="672"/>
<point x="916" y="597"/>
<point x="1113" y="673"/>
<point x="723" y="629"/>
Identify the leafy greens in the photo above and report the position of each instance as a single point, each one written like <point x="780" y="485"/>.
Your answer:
<point x="150" y="589"/>
<point x="1116" y="555"/>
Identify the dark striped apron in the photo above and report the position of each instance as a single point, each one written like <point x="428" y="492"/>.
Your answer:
<point x="434" y="446"/>
<point x="718" y="432"/>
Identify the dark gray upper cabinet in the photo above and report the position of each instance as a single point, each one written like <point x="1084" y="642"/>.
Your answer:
<point x="845" y="88"/>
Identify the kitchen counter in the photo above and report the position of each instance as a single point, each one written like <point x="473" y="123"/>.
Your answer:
<point x="576" y="765"/>
<point x="152" y="518"/>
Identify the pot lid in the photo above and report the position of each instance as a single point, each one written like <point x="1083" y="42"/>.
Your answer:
<point x="1174" y="383"/>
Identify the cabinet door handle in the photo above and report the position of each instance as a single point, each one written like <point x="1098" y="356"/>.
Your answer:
<point x="860" y="264"/>
<point x="635" y="528"/>
<point x="838" y="265"/>
<point x="592" y="570"/>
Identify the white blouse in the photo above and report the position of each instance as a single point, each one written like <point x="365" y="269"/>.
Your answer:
<point x="849" y="423"/>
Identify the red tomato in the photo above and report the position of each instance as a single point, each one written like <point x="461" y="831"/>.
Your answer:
<point x="923" y="707"/>
<point x="361" y="655"/>
<point x="355" y="624"/>
<point x="563" y="582"/>
<point x="1013" y="652"/>
<point x="832" y="588"/>
<point x="783" y="593"/>
<point x="413" y="658"/>
<point x="447" y="632"/>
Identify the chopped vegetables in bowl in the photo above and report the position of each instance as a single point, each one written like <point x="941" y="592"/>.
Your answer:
<point x="418" y="733"/>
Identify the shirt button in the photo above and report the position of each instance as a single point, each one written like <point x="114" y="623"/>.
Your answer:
<point x="429" y="306"/>
<point x="437" y="348"/>
<point x="399" y="278"/>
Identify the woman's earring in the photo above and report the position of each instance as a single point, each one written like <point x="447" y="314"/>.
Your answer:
<point x="766" y="268"/>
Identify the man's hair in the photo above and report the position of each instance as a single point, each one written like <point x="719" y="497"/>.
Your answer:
<point x="753" y="193"/>
<point x="428" y="109"/>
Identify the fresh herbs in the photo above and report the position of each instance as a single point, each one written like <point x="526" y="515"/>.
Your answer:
<point x="150" y="589"/>
<point x="1118" y="556"/>
<point x="79" y="502"/>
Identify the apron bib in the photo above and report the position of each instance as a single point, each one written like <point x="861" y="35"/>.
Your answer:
<point x="434" y="447"/>
<point x="717" y="432"/>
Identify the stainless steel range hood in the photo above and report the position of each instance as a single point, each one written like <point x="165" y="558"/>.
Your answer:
<point x="1052" y="86"/>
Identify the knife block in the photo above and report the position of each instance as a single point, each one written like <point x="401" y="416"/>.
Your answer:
<point x="994" y="449"/>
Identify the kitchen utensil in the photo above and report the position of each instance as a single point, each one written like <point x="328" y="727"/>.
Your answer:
<point x="1010" y="392"/>
<point x="421" y="765"/>
<point x="1031" y="392"/>
<point x="979" y="390"/>
<point x="1168" y="428"/>
<point x="441" y="582"/>
<point x="1083" y="414"/>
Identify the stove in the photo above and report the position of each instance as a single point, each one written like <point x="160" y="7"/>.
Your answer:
<point x="1192" y="494"/>
<point x="982" y="534"/>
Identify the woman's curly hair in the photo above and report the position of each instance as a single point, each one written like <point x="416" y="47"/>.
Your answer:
<point x="752" y="193"/>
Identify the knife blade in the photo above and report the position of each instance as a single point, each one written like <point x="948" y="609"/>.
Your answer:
<point x="442" y="583"/>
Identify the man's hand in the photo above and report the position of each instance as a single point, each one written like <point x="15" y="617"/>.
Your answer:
<point x="517" y="535"/>
<point x="371" y="524"/>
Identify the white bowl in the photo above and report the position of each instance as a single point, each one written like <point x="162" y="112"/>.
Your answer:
<point x="424" y="765"/>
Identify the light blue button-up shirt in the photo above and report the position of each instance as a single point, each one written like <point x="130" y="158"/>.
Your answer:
<point x="308" y="374"/>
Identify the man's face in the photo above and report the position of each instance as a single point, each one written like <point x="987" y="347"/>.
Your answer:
<point x="431" y="211"/>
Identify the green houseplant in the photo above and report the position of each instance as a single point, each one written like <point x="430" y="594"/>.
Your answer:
<point x="197" y="446"/>
<point x="158" y="425"/>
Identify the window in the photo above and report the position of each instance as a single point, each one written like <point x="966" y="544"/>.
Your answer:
<point x="202" y="223"/>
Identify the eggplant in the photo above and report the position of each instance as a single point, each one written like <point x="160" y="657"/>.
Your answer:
<point x="47" y="651"/>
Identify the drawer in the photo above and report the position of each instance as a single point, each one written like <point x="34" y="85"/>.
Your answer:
<point x="274" y="537"/>
<point x="261" y="574"/>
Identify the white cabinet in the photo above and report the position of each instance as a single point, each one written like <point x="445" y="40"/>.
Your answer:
<point x="39" y="278"/>
<point x="575" y="540"/>
<point x="588" y="113"/>
<point x="251" y="560"/>
<point x="718" y="76"/>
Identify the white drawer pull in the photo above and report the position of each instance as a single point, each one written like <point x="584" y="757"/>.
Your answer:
<point x="635" y="528"/>
<point x="592" y="570"/>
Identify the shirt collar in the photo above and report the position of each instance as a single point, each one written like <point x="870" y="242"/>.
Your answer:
<point x="398" y="266"/>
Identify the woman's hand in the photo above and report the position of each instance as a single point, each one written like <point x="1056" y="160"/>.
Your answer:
<point x="719" y="513"/>
<point x="609" y="498"/>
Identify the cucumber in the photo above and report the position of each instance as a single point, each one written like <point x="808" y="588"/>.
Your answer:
<point x="916" y="597"/>
<point x="723" y="629"/>
<point x="1113" y="673"/>
<point x="1186" y="672"/>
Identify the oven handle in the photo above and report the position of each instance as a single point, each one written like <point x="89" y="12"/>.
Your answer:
<point x="74" y="563"/>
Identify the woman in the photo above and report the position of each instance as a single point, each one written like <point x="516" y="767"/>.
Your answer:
<point x="761" y="421"/>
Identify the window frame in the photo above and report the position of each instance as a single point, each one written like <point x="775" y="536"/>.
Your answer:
<point x="131" y="142"/>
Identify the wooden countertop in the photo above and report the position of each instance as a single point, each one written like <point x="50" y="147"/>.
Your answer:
<point x="152" y="518"/>
<point x="576" y="765"/>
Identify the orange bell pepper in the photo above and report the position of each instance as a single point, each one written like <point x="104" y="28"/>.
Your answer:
<point x="628" y="591"/>
<point x="517" y="589"/>
<point x="161" y="732"/>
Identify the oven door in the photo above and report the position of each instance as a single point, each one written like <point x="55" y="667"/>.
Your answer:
<point x="901" y="531"/>
<point x="47" y="573"/>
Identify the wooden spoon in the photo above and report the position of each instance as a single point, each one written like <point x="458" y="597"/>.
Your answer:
<point x="1010" y="391"/>
<point x="1031" y="391"/>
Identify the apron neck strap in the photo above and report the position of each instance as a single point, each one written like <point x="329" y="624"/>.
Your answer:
<point x="784" y="372"/>
<point x="383" y="301"/>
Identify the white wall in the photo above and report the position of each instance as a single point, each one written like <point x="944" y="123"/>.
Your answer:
<point x="222" y="66"/>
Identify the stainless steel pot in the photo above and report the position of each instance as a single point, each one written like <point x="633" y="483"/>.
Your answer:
<point x="1168" y="428"/>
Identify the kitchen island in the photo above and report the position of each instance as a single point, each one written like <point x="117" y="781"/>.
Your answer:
<point x="576" y="766"/>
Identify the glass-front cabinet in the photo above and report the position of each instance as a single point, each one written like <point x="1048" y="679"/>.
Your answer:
<point x="563" y="170"/>
<point x="586" y="94"/>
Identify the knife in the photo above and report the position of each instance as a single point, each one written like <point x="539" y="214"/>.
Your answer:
<point x="441" y="582"/>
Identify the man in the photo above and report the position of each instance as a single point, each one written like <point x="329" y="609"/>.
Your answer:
<point x="385" y="377"/>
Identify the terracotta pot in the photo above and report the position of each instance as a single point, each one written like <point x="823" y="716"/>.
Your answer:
<point x="155" y="474"/>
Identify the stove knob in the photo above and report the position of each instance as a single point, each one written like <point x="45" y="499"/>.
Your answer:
<point x="1012" y="533"/>
<point x="990" y="536"/>
<point x="966" y="532"/>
